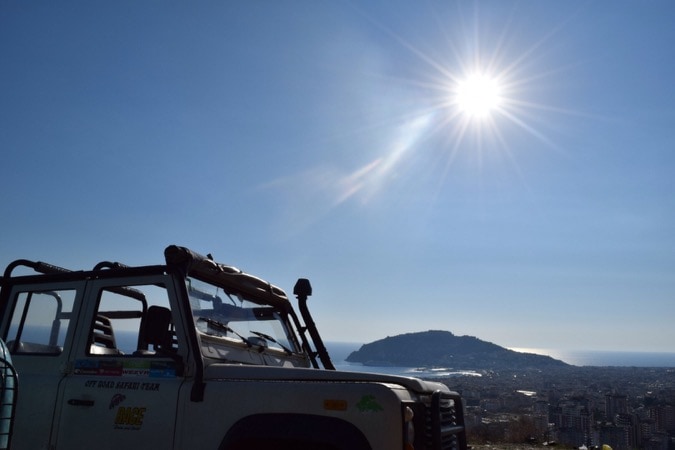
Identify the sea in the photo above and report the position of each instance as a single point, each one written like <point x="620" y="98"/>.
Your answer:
<point x="339" y="351"/>
<point x="599" y="358"/>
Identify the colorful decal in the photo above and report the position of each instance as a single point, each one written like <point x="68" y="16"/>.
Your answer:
<point x="136" y="369"/>
<point x="368" y="404"/>
<point x="159" y="369"/>
<point x="118" y="368"/>
<point x="129" y="418"/>
<point x="116" y="400"/>
<point x="98" y="367"/>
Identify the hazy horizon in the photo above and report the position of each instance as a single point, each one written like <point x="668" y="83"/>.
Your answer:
<point x="500" y="169"/>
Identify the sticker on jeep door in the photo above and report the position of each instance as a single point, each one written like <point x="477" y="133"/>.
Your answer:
<point x="122" y="385"/>
<point x="117" y="368"/>
<point x="129" y="417"/>
<point x="368" y="404"/>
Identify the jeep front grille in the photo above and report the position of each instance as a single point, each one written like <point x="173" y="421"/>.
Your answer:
<point x="444" y="422"/>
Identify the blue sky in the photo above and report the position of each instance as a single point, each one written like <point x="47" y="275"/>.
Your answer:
<point x="324" y="140"/>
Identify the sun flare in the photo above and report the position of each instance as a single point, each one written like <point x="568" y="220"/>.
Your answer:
<point x="463" y="105"/>
<point x="477" y="96"/>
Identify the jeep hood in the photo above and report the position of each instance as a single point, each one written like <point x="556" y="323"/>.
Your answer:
<point x="219" y="371"/>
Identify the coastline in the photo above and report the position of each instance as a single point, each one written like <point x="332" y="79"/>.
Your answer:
<point x="339" y="351"/>
<point x="605" y="358"/>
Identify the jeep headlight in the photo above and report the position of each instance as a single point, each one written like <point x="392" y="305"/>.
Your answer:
<point x="408" y="428"/>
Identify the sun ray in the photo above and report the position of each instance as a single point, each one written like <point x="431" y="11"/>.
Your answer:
<point x="468" y="106"/>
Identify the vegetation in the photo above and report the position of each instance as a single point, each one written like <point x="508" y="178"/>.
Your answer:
<point x="444" y="349"/>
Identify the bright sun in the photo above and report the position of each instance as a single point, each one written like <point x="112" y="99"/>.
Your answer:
<point x="477" y="96"/>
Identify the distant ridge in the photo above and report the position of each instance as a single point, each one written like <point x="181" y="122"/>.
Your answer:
<point x="444" y="349"/>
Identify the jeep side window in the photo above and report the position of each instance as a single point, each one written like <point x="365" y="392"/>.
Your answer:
<point x="132" y="321"/>
<point x="40" y="321"/>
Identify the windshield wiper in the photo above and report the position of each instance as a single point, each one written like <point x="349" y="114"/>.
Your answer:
<point x="271" y="339"/>
<point x="227" y="328"/>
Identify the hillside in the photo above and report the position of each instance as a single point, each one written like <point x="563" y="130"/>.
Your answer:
<point x="444" y="349"/>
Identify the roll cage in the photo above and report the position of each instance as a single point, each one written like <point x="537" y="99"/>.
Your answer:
<point x="188" y="264"/>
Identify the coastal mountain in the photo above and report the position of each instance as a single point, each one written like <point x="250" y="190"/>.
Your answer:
<point x="443" y="349"/>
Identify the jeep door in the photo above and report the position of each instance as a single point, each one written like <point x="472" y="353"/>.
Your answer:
<point x="38" y="327"/>
<point x="127" y="367"/>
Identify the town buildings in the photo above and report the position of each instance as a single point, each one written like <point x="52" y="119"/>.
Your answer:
<point x="623" y="407"/>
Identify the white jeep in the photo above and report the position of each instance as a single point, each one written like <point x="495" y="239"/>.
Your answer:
<point x="192" y="354"/>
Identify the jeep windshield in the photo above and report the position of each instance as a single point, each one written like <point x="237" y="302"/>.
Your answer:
<point x="233" y="328"/>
